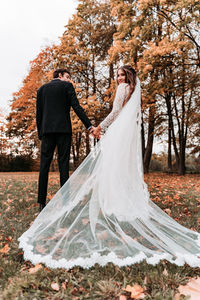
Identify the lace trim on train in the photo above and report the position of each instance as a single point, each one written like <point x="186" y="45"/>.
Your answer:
<point x="102" y="260"/>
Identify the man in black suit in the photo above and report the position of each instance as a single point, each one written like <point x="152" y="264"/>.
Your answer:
<point x="54" y="101"/>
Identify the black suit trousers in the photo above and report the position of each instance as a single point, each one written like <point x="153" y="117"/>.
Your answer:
<point x="49" y="143"/>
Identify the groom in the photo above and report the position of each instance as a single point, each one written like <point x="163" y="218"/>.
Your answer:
<point x="54" y="101"/>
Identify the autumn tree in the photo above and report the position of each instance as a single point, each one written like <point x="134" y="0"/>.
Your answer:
<point x="21" y="120"/>
<point x="3" y="139"/>
<point x="183" y="17"/>
<point x="165" y="60"/>
<point x="84" y="50"/>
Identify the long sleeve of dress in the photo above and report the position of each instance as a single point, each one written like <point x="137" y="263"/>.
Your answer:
<point x="121" y="94"/>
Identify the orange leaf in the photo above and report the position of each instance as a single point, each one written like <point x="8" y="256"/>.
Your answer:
<point x="5" y="249"/>
<point x="35" y="269"/>
<point x="102" y="235"/>
<point x="64" y="286"/>
<point x="192" y="289"/>
<point x="165" y="272"/>
<point x="136" y="291"/>
<point x="55" y="286"/>
<point x="40" y="249"/>
<point x="177" y="297"/>
<point x="122" y="297"/>
<point x="9" y="239"/>
<point x="85" y="221"/>
<point x="168" y="211"/>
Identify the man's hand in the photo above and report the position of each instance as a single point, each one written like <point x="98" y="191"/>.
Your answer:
<point x="91" y="131"/>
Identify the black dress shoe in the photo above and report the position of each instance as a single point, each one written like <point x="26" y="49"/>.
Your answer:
<point x="42" y="205"/>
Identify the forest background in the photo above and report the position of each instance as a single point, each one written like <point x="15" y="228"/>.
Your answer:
<point x="157" y="37"/>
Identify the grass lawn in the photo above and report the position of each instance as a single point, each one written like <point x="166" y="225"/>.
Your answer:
<point x="177" y="195"/>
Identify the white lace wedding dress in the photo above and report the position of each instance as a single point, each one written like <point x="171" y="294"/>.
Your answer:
<point x="103" y="213"/>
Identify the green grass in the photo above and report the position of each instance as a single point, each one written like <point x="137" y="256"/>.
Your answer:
<point x="18" y="208"/>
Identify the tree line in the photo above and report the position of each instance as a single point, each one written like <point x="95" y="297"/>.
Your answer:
<point x="159" y="38"/>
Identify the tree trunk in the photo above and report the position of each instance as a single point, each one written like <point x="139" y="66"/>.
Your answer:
<point x="181" y="167"/>
<point x="87" y="141"/>
<point x="169" y="160"/>
<point x="170" y="132"/>
<point x="93" y="75"/>
<point x="182" y="142"/>
<point x="142" y="136"/>
<point x="111" y="74"/>
<point x="73" y="154"/>
<point x="76" y="143"/>
<point x="149" y="147"/>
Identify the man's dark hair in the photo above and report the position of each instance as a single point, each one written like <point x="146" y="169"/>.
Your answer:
<point x="60" y="71"/>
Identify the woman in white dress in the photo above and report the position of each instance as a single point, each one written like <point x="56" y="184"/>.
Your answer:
<point x="103" y="213"/>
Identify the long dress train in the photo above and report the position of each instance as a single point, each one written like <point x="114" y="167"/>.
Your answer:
<point x="103" y="213"/>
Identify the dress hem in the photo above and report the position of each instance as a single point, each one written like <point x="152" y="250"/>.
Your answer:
<point x="102" y="260"/>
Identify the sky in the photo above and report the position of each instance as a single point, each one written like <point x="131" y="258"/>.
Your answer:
<point x="26" y="27"/>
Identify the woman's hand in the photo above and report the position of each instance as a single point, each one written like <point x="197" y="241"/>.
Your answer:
<point x="97" y="132"/>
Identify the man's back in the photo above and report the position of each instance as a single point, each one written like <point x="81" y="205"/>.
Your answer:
<point x="54" y="100"/>
<point x="54" y="103"/>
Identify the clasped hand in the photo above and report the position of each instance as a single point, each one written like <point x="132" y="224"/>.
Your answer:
<point x="96" y="132"/>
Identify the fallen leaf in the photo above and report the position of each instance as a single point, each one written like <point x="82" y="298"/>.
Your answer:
<point x="145" y="280"/>
<point x="24" y="268"/>
<point x="81" y="289"/>
<point x="35" y="269"/>
<point x="102" y="235"/>
<point x="50" y="197"/>
<point x="9" y="239"/>
<point x="75" y="290"/>
<point x="5" y="249"/>
<point x="64" y="286"/>
<point x="192" y="289"/>
<point x="168" y="211"/>
<point x="165" y="272"/>
<point x="40" y="249"/>
<point x="85" y="221"/>
<point x="177" y="297"/>
<point x="136" y="291"/>
<point x="122" y="297"/>
<point x="55" y="286"/>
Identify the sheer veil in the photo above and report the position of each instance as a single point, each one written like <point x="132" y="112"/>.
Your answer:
<point x="104" y="214"/>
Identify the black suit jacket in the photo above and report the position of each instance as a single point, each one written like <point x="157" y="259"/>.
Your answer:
<point x="54" y="101"/>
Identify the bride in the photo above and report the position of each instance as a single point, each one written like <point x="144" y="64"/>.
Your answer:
<point x="103" y="213"/>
